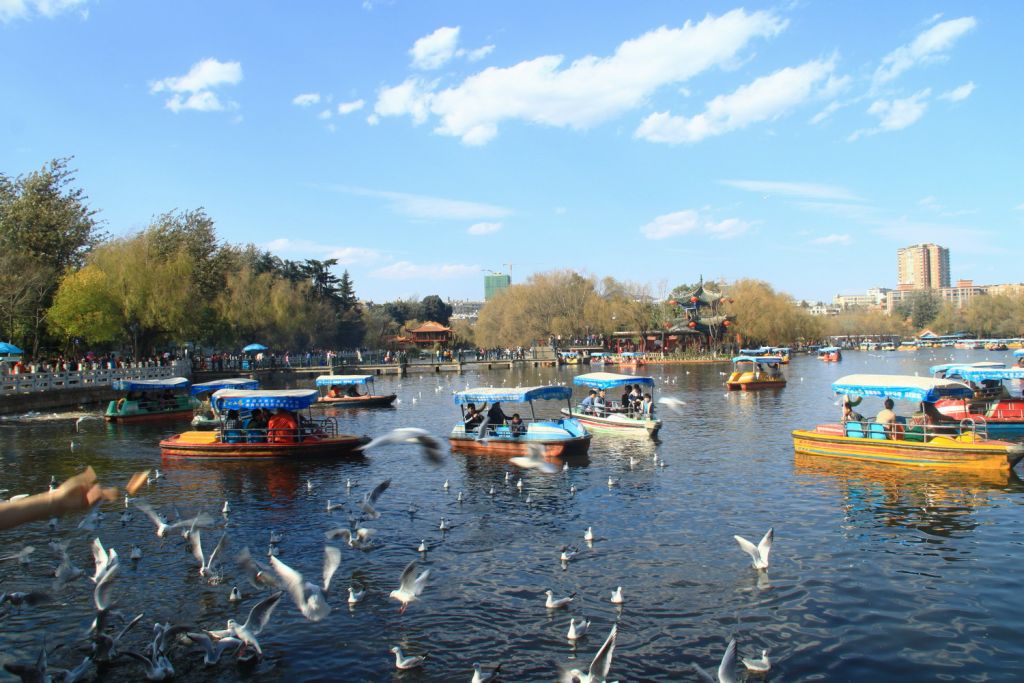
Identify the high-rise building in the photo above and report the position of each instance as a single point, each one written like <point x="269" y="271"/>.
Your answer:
<point x="922" y="266"/>
<point x="494" y="283"/>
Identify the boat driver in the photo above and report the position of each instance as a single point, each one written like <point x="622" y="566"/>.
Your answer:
<point x="587" y="404"/>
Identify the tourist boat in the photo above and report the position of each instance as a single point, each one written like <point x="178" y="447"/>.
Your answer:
<point x="830" y="354"/>
<point x="996" y="345"/>
<point x="205" y="414"/>
<point x="568" y="358"/>
<point x="755" y="372"/>
<point x="615" y="420"/>
<point x="782" y="352"/>
<point x="598" y="358"/>
<point x="965" y="445"/>
<point x="313" y="438"/>
<point x="991" y="402"/>
<point x="559" y="437"/>
<point x="631" y="359"/>
<point x="347" y="390"/>
<point x="149" y="399"/>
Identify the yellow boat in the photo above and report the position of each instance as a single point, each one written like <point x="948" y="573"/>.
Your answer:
<point x="755" y="372"/>
<point x="965" y="445"/>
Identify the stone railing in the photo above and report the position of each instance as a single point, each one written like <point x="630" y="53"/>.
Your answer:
<point x="93" y="378"/>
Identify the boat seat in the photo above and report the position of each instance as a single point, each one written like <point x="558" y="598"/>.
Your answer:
<point x="877" y="431"/>
<point x="855" y="429"/>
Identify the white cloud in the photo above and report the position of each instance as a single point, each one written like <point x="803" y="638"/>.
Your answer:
<point x="929" y="46"/>
<point x="325" y="114"/>
<point x="766" y="98"/>
<point x="832" y="239"/>
<point x="898" y="114"/>
<point x="349" y="107"/>
<point x="830" y="109"/>
<point x="372" y="119"/>
<point x="345" y="255"/>
<point x="479" y="53"/>
<point x="958" y="94"/>
<point x="433" y="51"/>
<point x="483" y="228"/>
<point x="788" y="189"/>
<point x="1019" y="207"/>
<point x="406" y="270"/>
<point x="423" y="206"/>
<point x="690" y="220"/>
<point x="306" y="99"/>
<point x="411" y="97"/>
<point x="27" y="9"/>
<point x="586" y="92"/>
<point x="200" y="80"/>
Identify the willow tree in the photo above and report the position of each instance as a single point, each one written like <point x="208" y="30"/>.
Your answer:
<point x="142" y="291"/>
<point x="551" y="303"/>
<point x="764" y="316"/>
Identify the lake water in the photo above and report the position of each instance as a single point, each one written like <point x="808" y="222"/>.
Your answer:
<point x="876" y="572"/>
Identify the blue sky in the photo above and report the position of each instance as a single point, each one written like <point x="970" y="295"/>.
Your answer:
<point x="424" y="143"/>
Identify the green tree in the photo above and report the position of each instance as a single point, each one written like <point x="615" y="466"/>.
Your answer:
<point x="42" y="216"/>
<point x="434" y="308"/>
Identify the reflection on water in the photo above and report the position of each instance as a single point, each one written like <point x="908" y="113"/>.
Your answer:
<point x="887" y="573"/>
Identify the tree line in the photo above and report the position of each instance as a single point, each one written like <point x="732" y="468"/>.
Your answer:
<point x="66" y="285"/>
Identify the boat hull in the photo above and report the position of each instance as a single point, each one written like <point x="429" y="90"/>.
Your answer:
<point x="513" y="446"/>
<point x="941" y="452"/>
<point x="188" y="445"/>
<point x="616" y="424"/>
<point x="147" y="417"/>
<point x="747" y="382"/>
<point x="358" y="401"/>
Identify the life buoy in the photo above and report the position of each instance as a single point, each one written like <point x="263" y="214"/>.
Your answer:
<point x="119" y="405"/>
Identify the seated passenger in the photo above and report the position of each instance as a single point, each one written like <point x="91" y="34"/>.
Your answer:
<point x="232" y="428"/>
<point x="600" y="404"/>
<point x="473" y="417"/>
<point x="849" y="415"/>
<point x="886" y="417"/>
<point x="495" y="415"/>
<point x="647" y="407"/>
<point x="933" y="417"/>
<point x="282" y="427"/>
<point x="517" y="426"/>
<point x="256" y="427"/>
<point x="334" y="392"/>
<point x="352" y="391"/>
<point x="587" y="404"/>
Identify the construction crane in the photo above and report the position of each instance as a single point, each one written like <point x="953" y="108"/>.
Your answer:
<point x="509" y="266"/>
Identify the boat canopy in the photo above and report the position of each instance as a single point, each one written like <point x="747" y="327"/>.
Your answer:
<point x="902" y="387"/>
<point x="982" y="374"/>
<point x="757" y="359"/>
<point x="228" y="383"/>
<point x="630" y="354"/>
<point x="568" y="354"/>
<point x="829" y="349"/>
<point x="150" y="384"/>
<point x="512" y="395"/>
<point x="342" y="380"/>
<point x="1019" y="353"/>
<point x="778" y="349"/>
<point x="609" y="380"/>
<point x="757" y="352"/>
<point x="954" y="368"/>
<point x="240" y="399"/>
<point x="595" y="354"/>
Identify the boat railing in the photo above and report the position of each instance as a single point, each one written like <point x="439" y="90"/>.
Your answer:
<point x="610" y="408"/>
<point x="901" y="430"/>
<point x="975" y="424"/>
<point x="310" y="430"/>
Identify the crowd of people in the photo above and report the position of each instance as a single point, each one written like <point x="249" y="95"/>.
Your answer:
<point x="633" y="403"/>
<point x="19" y="365"/>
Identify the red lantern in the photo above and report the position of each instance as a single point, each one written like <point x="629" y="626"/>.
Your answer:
<point x="693" y="299"/>
<point x="673" y="302"/>
<point x="691" y="324"/>
<point x="727" y="323"/>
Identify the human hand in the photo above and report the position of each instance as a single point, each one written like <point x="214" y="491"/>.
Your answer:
<point x="80" y="492"/>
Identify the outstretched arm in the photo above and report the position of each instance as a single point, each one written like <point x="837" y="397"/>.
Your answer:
<point x="80" y="492"/>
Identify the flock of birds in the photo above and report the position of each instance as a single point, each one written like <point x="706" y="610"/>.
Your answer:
<point x="109" y="640"/>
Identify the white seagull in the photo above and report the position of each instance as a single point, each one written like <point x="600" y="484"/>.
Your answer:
<point x="403" y="663"/>
<point x="617" y="596"/>
<point x="432" y="449"/>
<point x="369" y="512"/>
<point x="259" y="615"/>
<point x="409" y="586"/>
<point x="355" y="596"/>
<point x="552" y="603"/>
<point x="577" y="630"/>
<point x="726" y="670"/>
<point x="205" y="565"/>
<point x="478" y="674"/>
<point x="758" y="553"/>
<point x="534" y="460"/>
<point x="212" y="651"/>
<point x="758" y="666"/>
<point x="599" y="667"/>
<point x="310" y="598"/>
<point x="588" y="535"/>
<point x="360" y="540"/>
<point x="162" y="527"/>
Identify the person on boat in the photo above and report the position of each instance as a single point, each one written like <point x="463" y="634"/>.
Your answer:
<point x="773" y="370"/>
<point x="587" y="404"/>
<point x="473" y="416"/>
<point x="850" y="415"/>
<point x="232" y="428"/>
<point x="933" y="417"/>
<point x="627" y="399"/>
<point x="352" y="391"/>
<point x="516" y="425"/>
<point x="495" y="415"/>
<point x="636" y="398"/>
<point x="282" y="427"/>
<point x="647" y="407"/>
<point x="886" y="417"/>
<point x="256" y="427"/>
<point x="334" y="392"/>
<point x="205" y="410"/>
<point x="601" y="404"/>
<point x="167" y="400"/>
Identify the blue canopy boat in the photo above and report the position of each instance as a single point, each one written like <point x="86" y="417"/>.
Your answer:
<point x="918" y="443"/>
<point x="830" y="354"/>
<point x="343" y="391"/>
<point x="558" y="437"/>
<point x="149" y="399"/>
<point x="756" y="372"/>
<point x="614" y="418"/>
<point x="992" y="403"/>
<point x="287" y="435"/>
<point x="205" y="415"/>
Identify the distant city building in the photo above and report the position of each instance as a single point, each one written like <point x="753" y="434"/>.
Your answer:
<point x="959" y="296"/>
<point x="465" y="310"/>
<point x="821" y="308"/>
<point x="873" y="298"/>
<point x="494" y="283"/>
<point x="1005" y="290"/>
<point x="922" y="266"/>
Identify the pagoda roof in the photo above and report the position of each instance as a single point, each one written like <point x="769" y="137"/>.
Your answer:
<point x="431" y="326"/>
